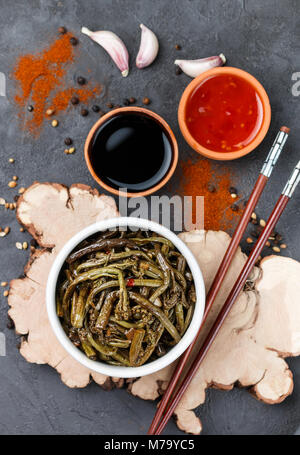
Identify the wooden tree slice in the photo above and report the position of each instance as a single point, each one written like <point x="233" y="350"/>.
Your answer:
<point x="52" y="214"/>
<point x="262" y="328"/>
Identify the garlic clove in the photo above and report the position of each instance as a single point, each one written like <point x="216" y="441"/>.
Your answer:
<point x="195" y="67"/>
<point x="113" y="45"/>
<point x="148" y="48"/>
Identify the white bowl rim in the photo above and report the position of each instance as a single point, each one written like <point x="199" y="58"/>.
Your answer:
<point x="147" y="368"/>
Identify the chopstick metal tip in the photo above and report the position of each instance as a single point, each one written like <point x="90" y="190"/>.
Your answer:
<point x="293" y="181"/>
<point x="275" y="151"/>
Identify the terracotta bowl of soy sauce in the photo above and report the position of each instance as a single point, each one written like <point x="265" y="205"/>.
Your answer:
<point x="131" y="152"/>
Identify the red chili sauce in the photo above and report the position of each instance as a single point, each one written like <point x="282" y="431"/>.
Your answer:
<point x="224" y="113"/>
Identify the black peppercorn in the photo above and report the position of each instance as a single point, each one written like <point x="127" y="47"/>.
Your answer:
<point x="68" y="141"/>
<point x="126" y="102"/>
<point x="233" y="190"/>
<point x="95" y="108"/>
<point x="109" y="105"/>
<point x="73" y="41"/>
<point x="234" y="207"/>
<point x="62" y="30"/>
<point x="132" y="100"/>
<point x="74" y="100"/>
<point x="29" y="108"/>
<point x="84" y="112"/>
<point x="10" y="323"/>
<point x="81" y="80"/>
<point x="178" y="47"/>
<point x="211" y="188"/>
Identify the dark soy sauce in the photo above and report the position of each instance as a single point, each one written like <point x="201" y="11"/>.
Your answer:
<point x="131" y="151"/>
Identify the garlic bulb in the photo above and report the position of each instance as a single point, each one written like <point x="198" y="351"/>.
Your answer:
<point x="113" y="45"/>
<point x="148" y="48"/>
<point x="195" y="67"/>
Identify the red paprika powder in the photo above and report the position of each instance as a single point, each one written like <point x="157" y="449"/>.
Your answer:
<point x="41" y="82"/>
<point x="201" y="179"/>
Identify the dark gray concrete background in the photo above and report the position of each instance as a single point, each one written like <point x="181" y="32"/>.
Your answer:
<point x="260" y="37"/>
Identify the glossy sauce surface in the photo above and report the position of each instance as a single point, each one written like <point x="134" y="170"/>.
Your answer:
<point x="224" y="113"/>
<point x="131" y="151"/>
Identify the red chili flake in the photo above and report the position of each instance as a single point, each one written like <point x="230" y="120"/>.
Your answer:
<point x="107" y="252"/>
<point x="130" y="282"/>
<point x="130" y="333"/>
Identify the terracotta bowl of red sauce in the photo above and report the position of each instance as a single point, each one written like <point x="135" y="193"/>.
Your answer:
<point x="224" y="113"/>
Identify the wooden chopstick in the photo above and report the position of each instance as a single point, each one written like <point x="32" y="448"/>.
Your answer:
<point x="235" y="291"/>
<point x="232" y="247"/>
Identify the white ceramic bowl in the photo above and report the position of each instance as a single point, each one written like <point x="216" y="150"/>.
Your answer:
<point x="101" y="367"/>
